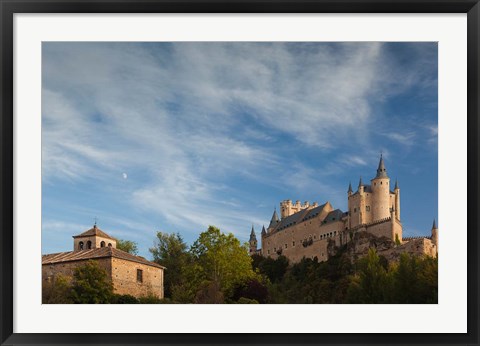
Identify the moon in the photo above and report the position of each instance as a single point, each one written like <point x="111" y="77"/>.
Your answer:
<point x="124" y="175"/>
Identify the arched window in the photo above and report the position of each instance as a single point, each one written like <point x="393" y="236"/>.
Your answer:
<point x="109" y="244"/>
<point x="80" y="245"/>
<point x="89" y="244"/>
<point x="102" y="244"/>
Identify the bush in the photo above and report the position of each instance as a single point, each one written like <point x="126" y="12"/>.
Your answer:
<point x="244" y="300"/>
<point x="124" y="299"/>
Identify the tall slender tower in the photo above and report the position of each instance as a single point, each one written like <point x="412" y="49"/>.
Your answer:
<point x="397" y="200"/>
<point x="253" y="242"/>
<point x="380" y="193"/>
<point x="435" y="234"/>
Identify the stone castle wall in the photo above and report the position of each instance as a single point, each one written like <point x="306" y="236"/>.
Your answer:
<point x="290" y="241"/>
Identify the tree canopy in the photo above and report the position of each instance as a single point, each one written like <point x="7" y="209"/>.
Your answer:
<point x="127" y="246"/>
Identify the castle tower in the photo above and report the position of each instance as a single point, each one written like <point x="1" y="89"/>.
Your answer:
<point x="435" y="234"/>
<point x="396" y="191"/>
<point x="380" y="193"/>
<point x="264" y="233"/>
<point x="253" y="242"/>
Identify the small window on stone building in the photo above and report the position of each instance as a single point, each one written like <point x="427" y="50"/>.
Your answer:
<point x="286" y="246"/>
<point x="102" y="244"/>
<point x="109" y="244"/>
<point x="354" y="210"/>
<point x="293" y="243"/>
<point x="139" y="275"/>
<point x="367" y="208"/>
<point x="89" y="244"/>
<point x="80" y="245"/>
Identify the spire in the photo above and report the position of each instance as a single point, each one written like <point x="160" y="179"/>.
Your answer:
<point x="360" y="183"/>
<point x="350" y="187"/>
<point x="274" y="219"/>
<point x="396" y="184"/>
<point x="252" y="234"/>
<point x="381" y="170"/>
<point x="263" y="231"/>
<point x="434" y="226"/>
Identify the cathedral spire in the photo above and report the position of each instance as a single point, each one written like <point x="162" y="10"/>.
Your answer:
<point x="381" y="170"/>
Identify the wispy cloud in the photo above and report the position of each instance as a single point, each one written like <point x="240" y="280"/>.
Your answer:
<point x="190" y="120"/>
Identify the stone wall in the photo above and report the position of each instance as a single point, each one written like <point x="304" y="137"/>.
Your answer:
<point x="289" y="242"/>
<point x="124" y="277"/>
<point x="122" y="273"/>
<point x="66" y="269"/>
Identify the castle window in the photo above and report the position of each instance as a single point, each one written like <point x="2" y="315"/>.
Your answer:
<point x="89" y="244"/>
<point x="367" y="208"/>
<point x="381" y="183"/>
<point x="109" y="244"/>
<point x="139" y="275"/>
<point x="286" y="246"/>
<point x="80" y="245"/>
<point x="102" y="244"/>
<point x="293" y="243"/>
<point x="354" y="210"/>
<point x="268" y="252"/>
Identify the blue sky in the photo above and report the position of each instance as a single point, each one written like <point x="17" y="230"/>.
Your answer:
<point x="174" y="137"/>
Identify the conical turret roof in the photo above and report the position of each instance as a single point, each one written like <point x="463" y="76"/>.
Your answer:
<point x="381" y="170"/>
<point x="274" y="219"/>
<point x="263" y="231"/>
<point x="350" y="187"/>
<point x="434" y="226"/>
<point x="360" y="182"/>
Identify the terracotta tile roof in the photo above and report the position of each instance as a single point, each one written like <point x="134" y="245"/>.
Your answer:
<point x="103" y="252"/>
<point x="92" y="232"/>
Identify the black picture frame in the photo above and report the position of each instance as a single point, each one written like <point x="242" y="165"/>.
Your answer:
<point x="10" y="7"/>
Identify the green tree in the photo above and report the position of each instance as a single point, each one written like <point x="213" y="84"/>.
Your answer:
<point x="91" y="285"/>
<point x="58" y="290"/>
<point x="369" y="287"/>
<point x="171" y="252"/>
<point x="127" y="246"/>
<point x="223" y="259"/>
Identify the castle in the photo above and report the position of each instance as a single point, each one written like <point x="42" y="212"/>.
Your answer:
<point x="312" y="230"/>
<point x="129" y="274"/>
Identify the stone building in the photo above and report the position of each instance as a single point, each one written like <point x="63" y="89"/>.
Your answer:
<point x="129" y="274"/>
<point x="312" y="230"/>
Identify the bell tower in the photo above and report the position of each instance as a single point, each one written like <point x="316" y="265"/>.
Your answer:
<point x="92" y="239"/>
